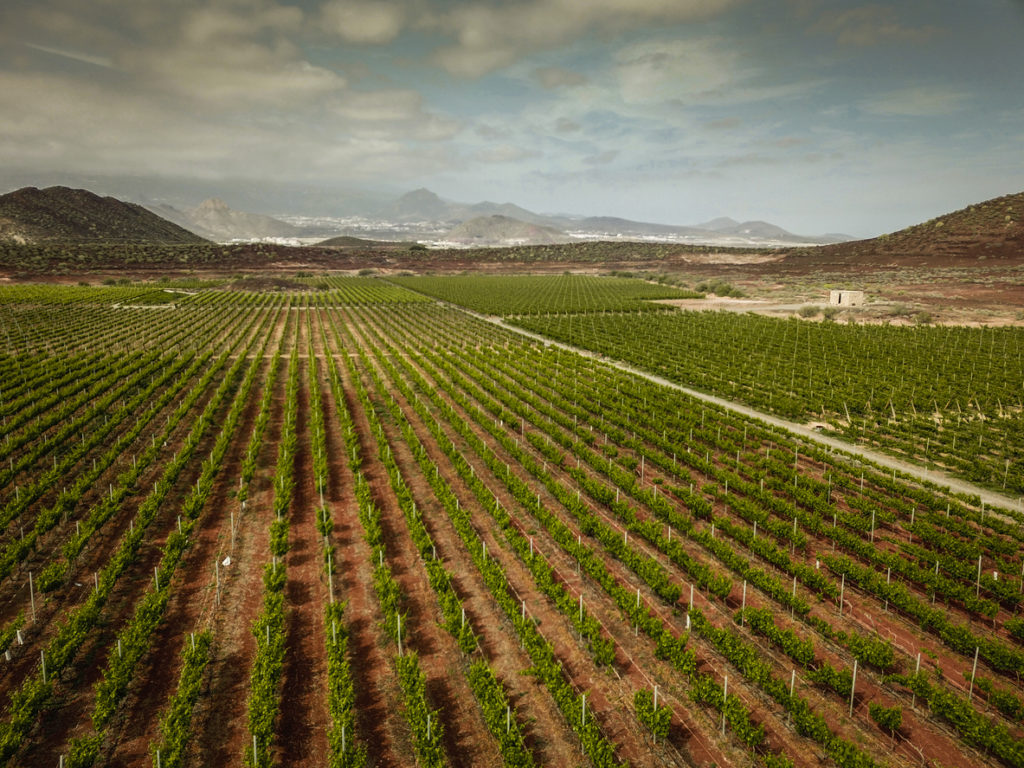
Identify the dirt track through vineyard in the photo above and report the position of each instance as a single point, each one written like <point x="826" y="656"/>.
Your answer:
<point x="913" y="470"/>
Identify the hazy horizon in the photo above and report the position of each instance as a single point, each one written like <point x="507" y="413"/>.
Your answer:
<point x="815" y="115"/>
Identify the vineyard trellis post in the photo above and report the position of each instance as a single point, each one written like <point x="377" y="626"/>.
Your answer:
<point x="917" y="669"/>
<point x="974" y="671"/>
<point x="725" y="700"/>
<point x="853" y="686"/>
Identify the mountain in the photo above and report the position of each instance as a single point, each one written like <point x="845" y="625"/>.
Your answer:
<point x="216" y="217"/>
<point x="718" y="225"/>
<point x="53" y="214"/>
<point x="512" y="211"/>
<point x="347" y="241"/>
<point x="422" y="205"/>
<point x="763" y="230"/>
<point x="502" y="230"/>
<point x="423" y="208"/>
<point x="213" y="219"/>
<point x="614" y="226"/>
<point x="993" y="229"/>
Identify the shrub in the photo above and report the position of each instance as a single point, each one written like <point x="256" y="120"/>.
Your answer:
<point x="888" y="718"/>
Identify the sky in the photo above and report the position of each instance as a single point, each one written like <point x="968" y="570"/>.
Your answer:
<point x="819" y="116"/>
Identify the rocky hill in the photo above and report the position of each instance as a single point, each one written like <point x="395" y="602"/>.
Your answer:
<point x="60" y="214"/>
<point x="500" y="230"/>
<point x="993" y="229"/>
<point x="348" y="241"/>
<point x="216" y="220"/>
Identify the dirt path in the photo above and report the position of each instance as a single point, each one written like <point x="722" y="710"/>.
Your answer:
<point x="613" y="620"/>
<point x="545" y="729"/>
<point x="378" y="695"/>
<point x="722" y="616"/>
<point x="220" y="740"/>
<point x="304" y="719"/>
<point x="938" y="740"/>
<point x="191" y="607"/>
<point x="466" y="738"/>
<point x="991" y="498"/>
<point x="88" y="667"/>
<point x="612" y="701"/>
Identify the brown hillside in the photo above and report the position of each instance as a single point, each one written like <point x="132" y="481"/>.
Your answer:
<point x="61" y="214"/>
<point x="992" y="230"/>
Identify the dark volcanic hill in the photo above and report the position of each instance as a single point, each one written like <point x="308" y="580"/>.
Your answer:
<point x="993" y="229"/>
<point x="55" y="214"/>
<point x="347" y="241"/>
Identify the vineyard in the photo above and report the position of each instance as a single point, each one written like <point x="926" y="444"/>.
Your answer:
<point x="948" y="398"/>
<point x="539" y="294"/>
<point x="353" y="526"/>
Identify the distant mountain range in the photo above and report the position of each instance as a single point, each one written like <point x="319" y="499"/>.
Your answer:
<point x="437" y="216"/>
<point x="990" y="230"/>
<point x="33" y="215"/>
<point x="214" y="220"/>
<point x="60" y="214"/>
<point x="503" y="230"/>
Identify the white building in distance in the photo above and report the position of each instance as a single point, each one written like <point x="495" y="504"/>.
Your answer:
<point x="846" y="298"/>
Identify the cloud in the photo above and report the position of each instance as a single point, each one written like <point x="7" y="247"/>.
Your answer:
<point x="656" y="71"/>
<point x="602" y="158"/>
<point x="99" y="61"/>
<point x="506" y="153"/>
<point x="557" y="77"/>
<point x="789" y="142"/>
<point x="923" y="101"/>
<point x="93" y="129"/>
<point x="724" y="124"/>
<point x="396" y="113"/>
<point x="681" y="73"/>
<point x="871" y="25"/>
<point x="220" y="24"/>
<point x="488" y="131"/>
<point x="364" y="22"/>
<point x="491" y="36"/>
<point x="565" y="125"/>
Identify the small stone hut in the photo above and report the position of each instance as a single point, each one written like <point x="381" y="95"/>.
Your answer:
<point x="846" y="298"/>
